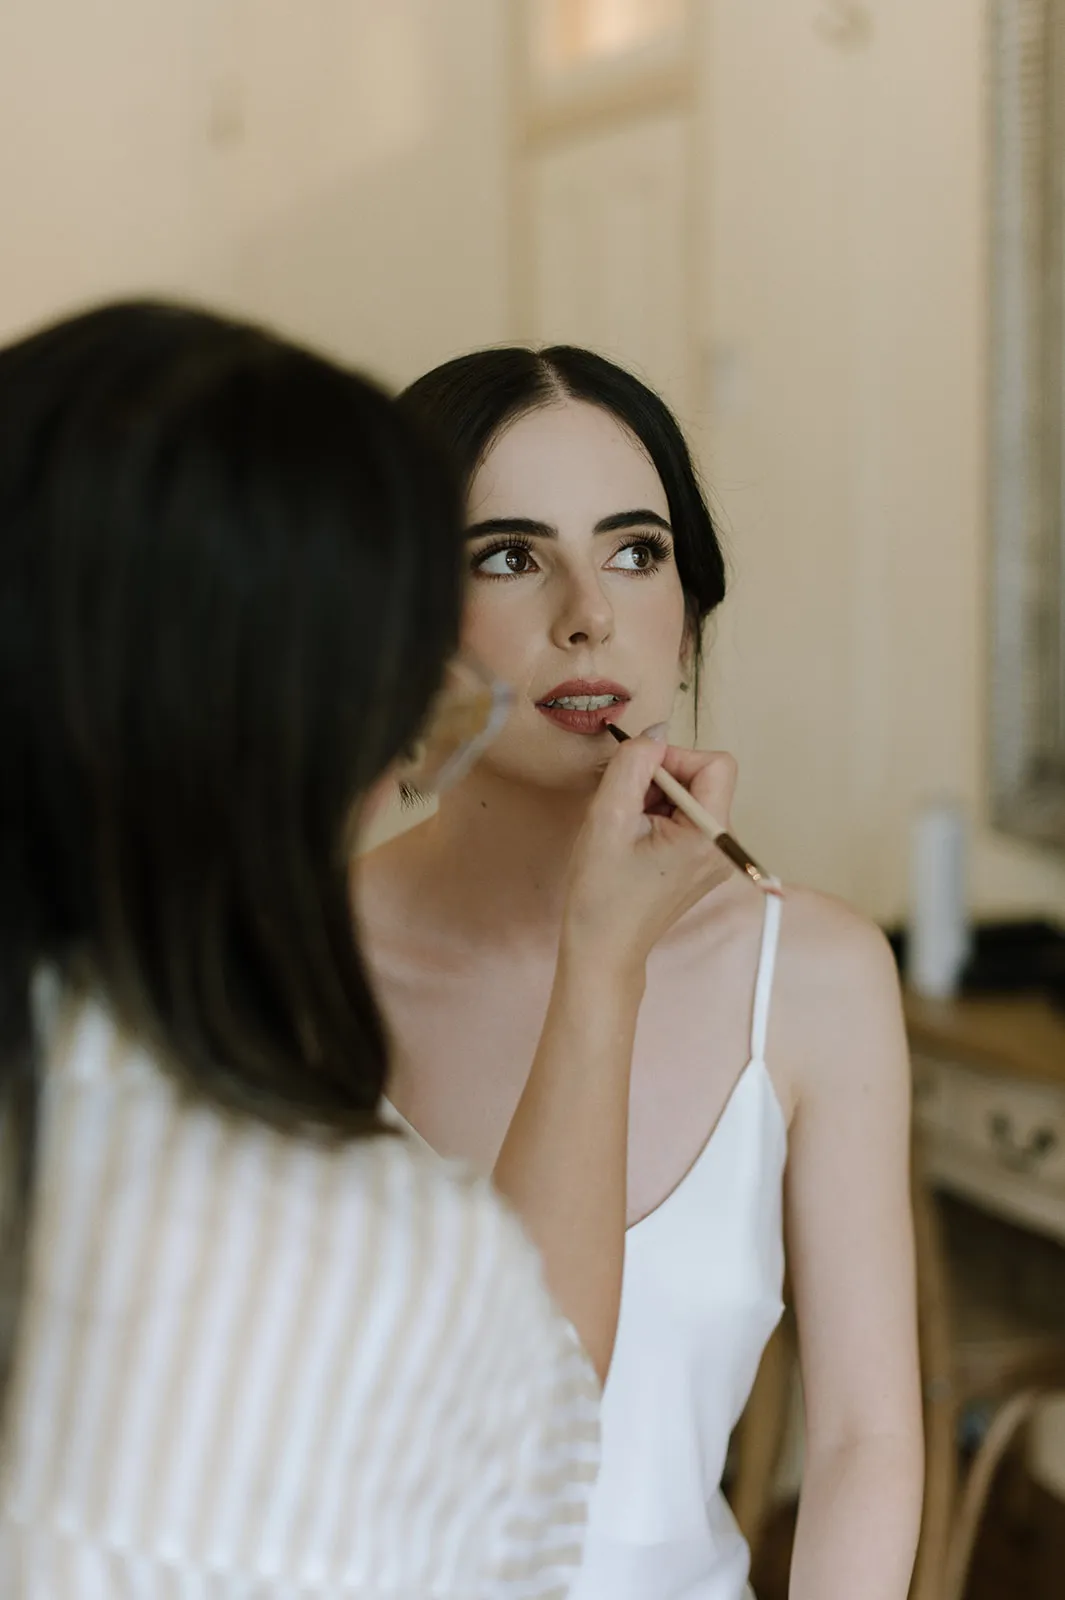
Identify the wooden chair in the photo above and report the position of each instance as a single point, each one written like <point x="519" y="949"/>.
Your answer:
<point x="973" y="1350"/>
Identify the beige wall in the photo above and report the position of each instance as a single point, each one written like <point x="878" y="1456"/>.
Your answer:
<point x="341" y="166"/>
<point x="106" y="174"/>
<point x="338" y="166"/>
<point x="372" y="181"/>
<point x="845" y="329"/>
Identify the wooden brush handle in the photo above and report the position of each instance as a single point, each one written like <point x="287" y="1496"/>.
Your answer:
<point x="679" y="796"/>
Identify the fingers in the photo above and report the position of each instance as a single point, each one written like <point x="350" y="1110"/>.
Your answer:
<point x="669" y="863"/>
<point x="686" y="764"/>
<point x="629" y="776"/>
<point x="616" y="817"/>
<point x="710" y="776"/>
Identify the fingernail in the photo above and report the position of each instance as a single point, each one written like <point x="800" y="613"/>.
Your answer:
<point x="657" y="731"/>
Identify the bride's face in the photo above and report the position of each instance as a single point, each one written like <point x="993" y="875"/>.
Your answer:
<point x="573" y="595"/>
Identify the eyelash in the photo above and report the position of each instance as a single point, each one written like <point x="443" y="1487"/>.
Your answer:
<point x="512" y="541"/>
<point x="661" y="549"/>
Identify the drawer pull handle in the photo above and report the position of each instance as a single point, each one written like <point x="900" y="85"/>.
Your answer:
<point x="1020" y="1157"/>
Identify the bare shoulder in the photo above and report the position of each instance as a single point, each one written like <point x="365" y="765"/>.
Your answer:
<point x="825" y="942"/>
<point x="836" y="1000"/>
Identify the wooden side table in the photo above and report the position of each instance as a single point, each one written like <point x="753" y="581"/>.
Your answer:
<point x="989" y="1105"/>
<point x="989" y="1121"/>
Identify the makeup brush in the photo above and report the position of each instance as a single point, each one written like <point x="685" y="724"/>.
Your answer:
<point x="709" y="825"/>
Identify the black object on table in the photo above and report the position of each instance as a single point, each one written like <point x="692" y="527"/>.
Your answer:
<point x="1007" y="957"/>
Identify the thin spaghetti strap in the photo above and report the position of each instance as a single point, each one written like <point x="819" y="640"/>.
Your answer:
<point x="763" y="988"/>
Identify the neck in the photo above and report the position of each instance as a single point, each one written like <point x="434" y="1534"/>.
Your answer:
<point x="501" y="853"/>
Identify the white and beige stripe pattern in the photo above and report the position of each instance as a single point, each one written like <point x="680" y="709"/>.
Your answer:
<point x="251" y="1367"/>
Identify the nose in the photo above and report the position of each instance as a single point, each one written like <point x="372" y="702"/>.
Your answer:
<point x="585" y="616"/>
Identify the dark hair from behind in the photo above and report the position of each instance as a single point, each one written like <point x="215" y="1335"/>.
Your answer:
<point x="229" y="583"/>
<point x="469" y="401"/>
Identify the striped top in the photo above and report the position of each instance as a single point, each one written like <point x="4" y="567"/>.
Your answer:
<point x="253" y="1367"/>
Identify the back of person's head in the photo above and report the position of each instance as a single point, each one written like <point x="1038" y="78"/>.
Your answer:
<point x="229" y="583"/>
<point x="470" y="400"/>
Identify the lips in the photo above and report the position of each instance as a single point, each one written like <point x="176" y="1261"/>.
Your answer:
<point x="583" y="705"/>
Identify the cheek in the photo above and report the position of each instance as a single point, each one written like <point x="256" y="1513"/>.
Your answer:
<point x="500" y="636"/>
<point x="652" y="616"/>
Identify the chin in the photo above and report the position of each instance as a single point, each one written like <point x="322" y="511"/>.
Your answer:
<point x="578" y="773"/>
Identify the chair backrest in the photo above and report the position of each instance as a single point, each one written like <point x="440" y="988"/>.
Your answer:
<point x="935" y="1333"/>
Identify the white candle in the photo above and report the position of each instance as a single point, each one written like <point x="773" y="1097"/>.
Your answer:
<point x="939" y="927"/>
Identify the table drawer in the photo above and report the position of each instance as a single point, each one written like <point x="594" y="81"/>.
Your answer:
<point x="935" y="1099"/>
<point x="1016" y="1127"/>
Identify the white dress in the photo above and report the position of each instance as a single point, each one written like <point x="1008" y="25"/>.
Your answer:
<point x="253" y="1367"/>
<point x="702" y="1289"/>
<point x="701" y="1295"/>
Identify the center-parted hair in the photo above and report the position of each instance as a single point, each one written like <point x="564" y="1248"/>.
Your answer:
<point x="470" y="400"/>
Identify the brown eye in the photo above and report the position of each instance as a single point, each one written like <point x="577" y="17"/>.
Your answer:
<point x="511" y="560"/>
<point x="638" y="557"/>
<point x="642" y="555"/>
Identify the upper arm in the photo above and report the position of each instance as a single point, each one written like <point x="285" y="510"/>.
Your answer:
<point x="849" y="1222"/>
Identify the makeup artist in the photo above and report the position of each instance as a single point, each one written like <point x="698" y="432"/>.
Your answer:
<point x="252" y="1343"/>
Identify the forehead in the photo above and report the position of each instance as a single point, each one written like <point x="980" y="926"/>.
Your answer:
<point x="564" y="463"/>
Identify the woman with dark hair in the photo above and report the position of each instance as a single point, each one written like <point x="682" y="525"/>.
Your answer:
<point x="770" y="1030"/>
<point x="252" y="1343"/>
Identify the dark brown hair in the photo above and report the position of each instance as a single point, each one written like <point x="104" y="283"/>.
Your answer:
<point x="468" y="402"/>
<point x="229" y="581"/>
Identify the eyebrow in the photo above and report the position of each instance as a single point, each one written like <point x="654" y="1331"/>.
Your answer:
<point x="543" y="530"/>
